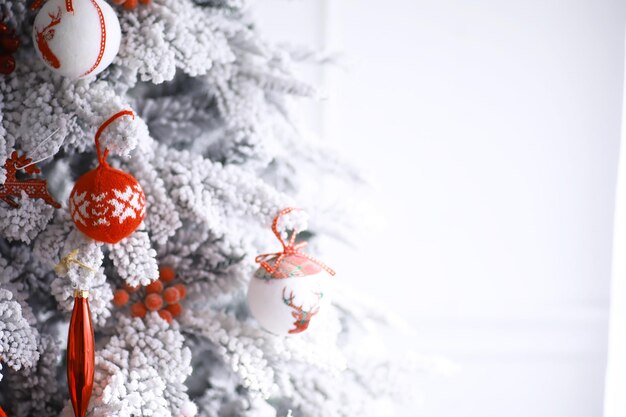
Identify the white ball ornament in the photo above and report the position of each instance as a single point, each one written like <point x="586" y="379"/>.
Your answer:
<point x="289" y="289"/>
<point x="77" y="38"/>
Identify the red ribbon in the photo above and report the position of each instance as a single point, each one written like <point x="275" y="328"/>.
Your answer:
<point x="38" y="3"/>
<point x="102" y="158"/>
<point x="289" y="248"/>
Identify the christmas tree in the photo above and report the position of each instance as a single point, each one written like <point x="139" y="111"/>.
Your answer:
<point x="209" y="138"/>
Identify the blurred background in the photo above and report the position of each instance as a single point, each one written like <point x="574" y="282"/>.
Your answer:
<point x="489" y="131"/>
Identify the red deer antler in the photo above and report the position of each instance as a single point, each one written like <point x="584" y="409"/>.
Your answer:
<point x="45" y="35"/>
<point x="303" y="318"/>
<point x="34" y="188"/>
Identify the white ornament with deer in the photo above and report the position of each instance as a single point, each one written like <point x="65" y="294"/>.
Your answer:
<point x="289" y="289"/>
<point x="77" y="38"/>
<point x="289" y="305"/>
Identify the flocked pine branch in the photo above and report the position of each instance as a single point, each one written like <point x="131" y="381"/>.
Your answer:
<point x="217" y="155"/>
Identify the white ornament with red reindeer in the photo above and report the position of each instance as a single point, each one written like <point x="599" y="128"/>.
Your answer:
<point x="77" y="38"/>
<point x="288" y="290"/>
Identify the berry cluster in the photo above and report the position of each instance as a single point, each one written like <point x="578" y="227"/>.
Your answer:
<point x="161" y="296"/>
<point x="9" y="43"/>
<point x="130" y="4"/>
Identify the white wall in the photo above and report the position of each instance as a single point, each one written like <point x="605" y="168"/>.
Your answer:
<point x="490" y="130"/>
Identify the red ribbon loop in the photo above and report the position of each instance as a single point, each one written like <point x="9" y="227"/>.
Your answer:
<point x="102" y="158"/>
<point x="289" y="248"/>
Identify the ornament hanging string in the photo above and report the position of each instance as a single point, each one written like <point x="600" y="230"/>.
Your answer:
<point x="40" y="159"/>
<point x="71" y="258"/>
<point x="102" y="157"/>
<point x="289" y="248"/>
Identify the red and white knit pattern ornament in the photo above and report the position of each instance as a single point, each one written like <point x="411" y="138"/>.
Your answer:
<point x="107" y="204"/>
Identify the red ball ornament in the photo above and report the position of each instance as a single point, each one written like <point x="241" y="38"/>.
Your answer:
<point x="107" y="204"/>
<point x="7" y="64"/>
<point x="10" y="43"/>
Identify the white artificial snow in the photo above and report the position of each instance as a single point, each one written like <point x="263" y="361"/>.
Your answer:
<point x="214" y="149"/>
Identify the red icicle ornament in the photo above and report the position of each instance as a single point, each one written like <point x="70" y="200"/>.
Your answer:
<point x="80" y="354"/>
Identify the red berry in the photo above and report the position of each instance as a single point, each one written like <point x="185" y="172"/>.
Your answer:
<point x="153" y="302"/>
<point x="166" y="315"/>
<point x="4" y="28"/>
<point x="7" y="64"/>
<point x="171" y="295"/>
<point x="182" y="290"/>
<point x="138" y="310"/>
<point x="9" y="43"/>
<point x="167" y="274"/>
<point x="120" y="298"/>
<point x="175" y="309"/>
<point x="155" y="287"/>
<point x="130" y="4"/>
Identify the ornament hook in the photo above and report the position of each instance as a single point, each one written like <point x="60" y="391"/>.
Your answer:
<point x="37" y="147"/>
<point x="103" y="156"/>
<point x="71" y="258"/>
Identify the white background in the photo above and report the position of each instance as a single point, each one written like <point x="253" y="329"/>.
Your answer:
<point x="490" y="132"/>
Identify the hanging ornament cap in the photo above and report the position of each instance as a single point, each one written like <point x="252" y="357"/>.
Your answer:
<point x="291" y="261"/>
<point x="81" y="294"/>
<point x="107" y="204"/>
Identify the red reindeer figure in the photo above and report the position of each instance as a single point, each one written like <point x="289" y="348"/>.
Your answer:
<point x="12" y="187"/>
<point x="303" y="317"/>
<point x="45" y="35"/>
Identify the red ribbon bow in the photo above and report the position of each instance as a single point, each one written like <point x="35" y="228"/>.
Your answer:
<point x="289" y="248"/>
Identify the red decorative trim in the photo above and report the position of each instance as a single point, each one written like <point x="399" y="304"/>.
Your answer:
<point x="69" y="6"/>
<point x="34" y="6"/>
<point x="103" y="37"/>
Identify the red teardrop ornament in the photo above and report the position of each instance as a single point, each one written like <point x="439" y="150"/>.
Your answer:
<point x="80" y="354"/>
